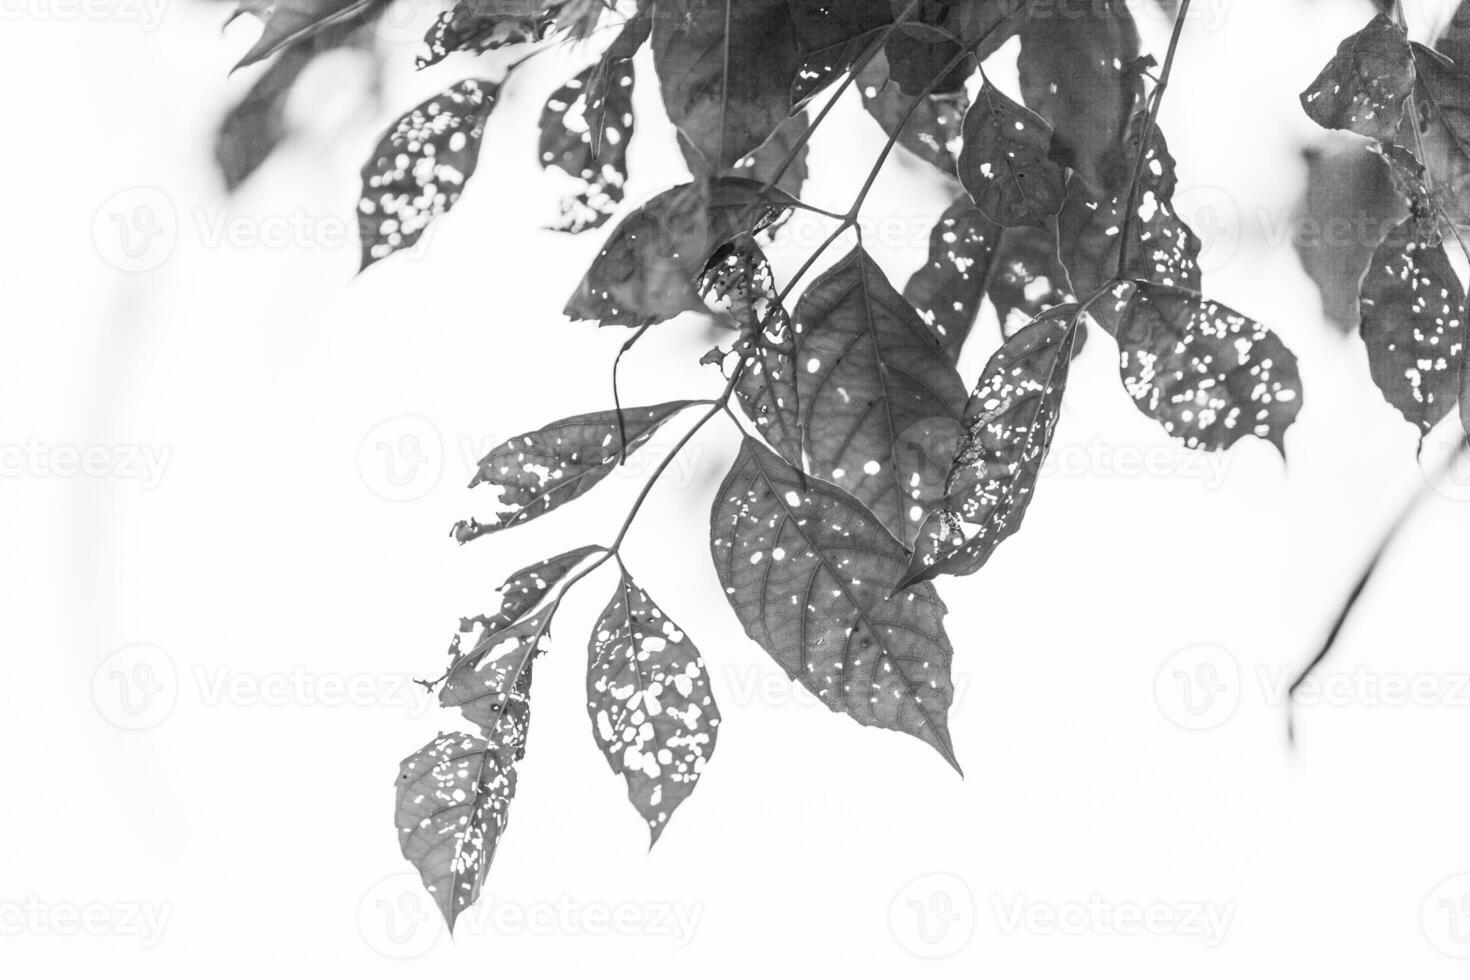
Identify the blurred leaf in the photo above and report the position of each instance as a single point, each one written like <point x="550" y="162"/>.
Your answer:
<point x="813" y="578"/>
<point x="648" y="695"/>
<point x="1028" y="278"/>
<point x="1077" y="72"/>
<point x="1441" y="116"/>
<point x="288" y="22"/>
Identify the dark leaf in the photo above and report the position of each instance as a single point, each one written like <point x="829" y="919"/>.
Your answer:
<point x="948" y="288"/>
<point x="567" y="143"/>
<point x="1441" y="114"/>
<point x="931" y="132"/>
<point x="1009" y="423"/>
<point x="762" y="165"/>
<point x="648" y="268"/>
<point x="1363" y="88"/>
<point x="831" y="37"/>
<point x="537" y="472"/>
<point x="918" y="54"/>
<point x="649" y="699"/>
<point x="725" y="70"/>
<point x="1077" y="72"/>
<point x="1413" y="325"/>
<point x="420" y="167"/>
<point x="1455" y="42"/>
<point x="1004" y="163"/>
<point x="1028" y="278"/>
<point x="813" y="578"/>
<point x="292" y="21"/>
<point x="1348" y="201"/>
<point x="453" y="802"/>
<point x="253" y="128"/>
<point x="605" y="87"/>
<point x="879" y="400"/>
<point x="1205" y="373"/>
<point x="1161" y="247"/>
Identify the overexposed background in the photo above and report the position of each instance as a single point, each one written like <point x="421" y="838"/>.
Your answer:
<point x="210" y="637"/>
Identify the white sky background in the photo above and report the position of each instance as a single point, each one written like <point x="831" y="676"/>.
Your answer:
<point x="257" y="821"/>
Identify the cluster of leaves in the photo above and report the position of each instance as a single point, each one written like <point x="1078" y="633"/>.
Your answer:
<point x="1412" y="103"/>
<point x="868" y="467"/>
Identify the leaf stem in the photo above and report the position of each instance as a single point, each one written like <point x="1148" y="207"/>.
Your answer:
<point x="1156" y="98"/>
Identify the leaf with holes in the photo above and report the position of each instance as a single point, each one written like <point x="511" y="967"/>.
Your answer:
<point x="1005" y="162"/>
<point x="831" y="38"/>
<point x="813" y="578"/>
<point x="1363" y="88"/>
<point x="879" y="400"/>
<point x="1028" y="279"/>
<point x="567" y="143"/>
<point x="947" y="290"/>
<point x="1009" y="423"/>
<point x="725" y="71"/>
<point x="1413" y="324"/>
<point x="1207" y="374"/>
<point x="739" y="284"/>
<point x="1440" y="112"/>
<point x="1161" y="247"/>
<point x="519" y="595"/>
<point x="649" y="699"/>
<point x="537" y="472"/>
<point x="484" y="25"/>
<point x="453" y="802"/>
<point x="288" y="22"/>
<point x="928" y="127"/>
<point x="649" y="266"/>
<point x="420" y="167"/>
<point x="789" y="139"/>
<point x="491" y="682"/>
<point x="1078" y="72"/>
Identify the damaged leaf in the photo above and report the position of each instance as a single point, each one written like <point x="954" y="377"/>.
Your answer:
<point x="1005" y="162"/>
<point x="813" y="578"/>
